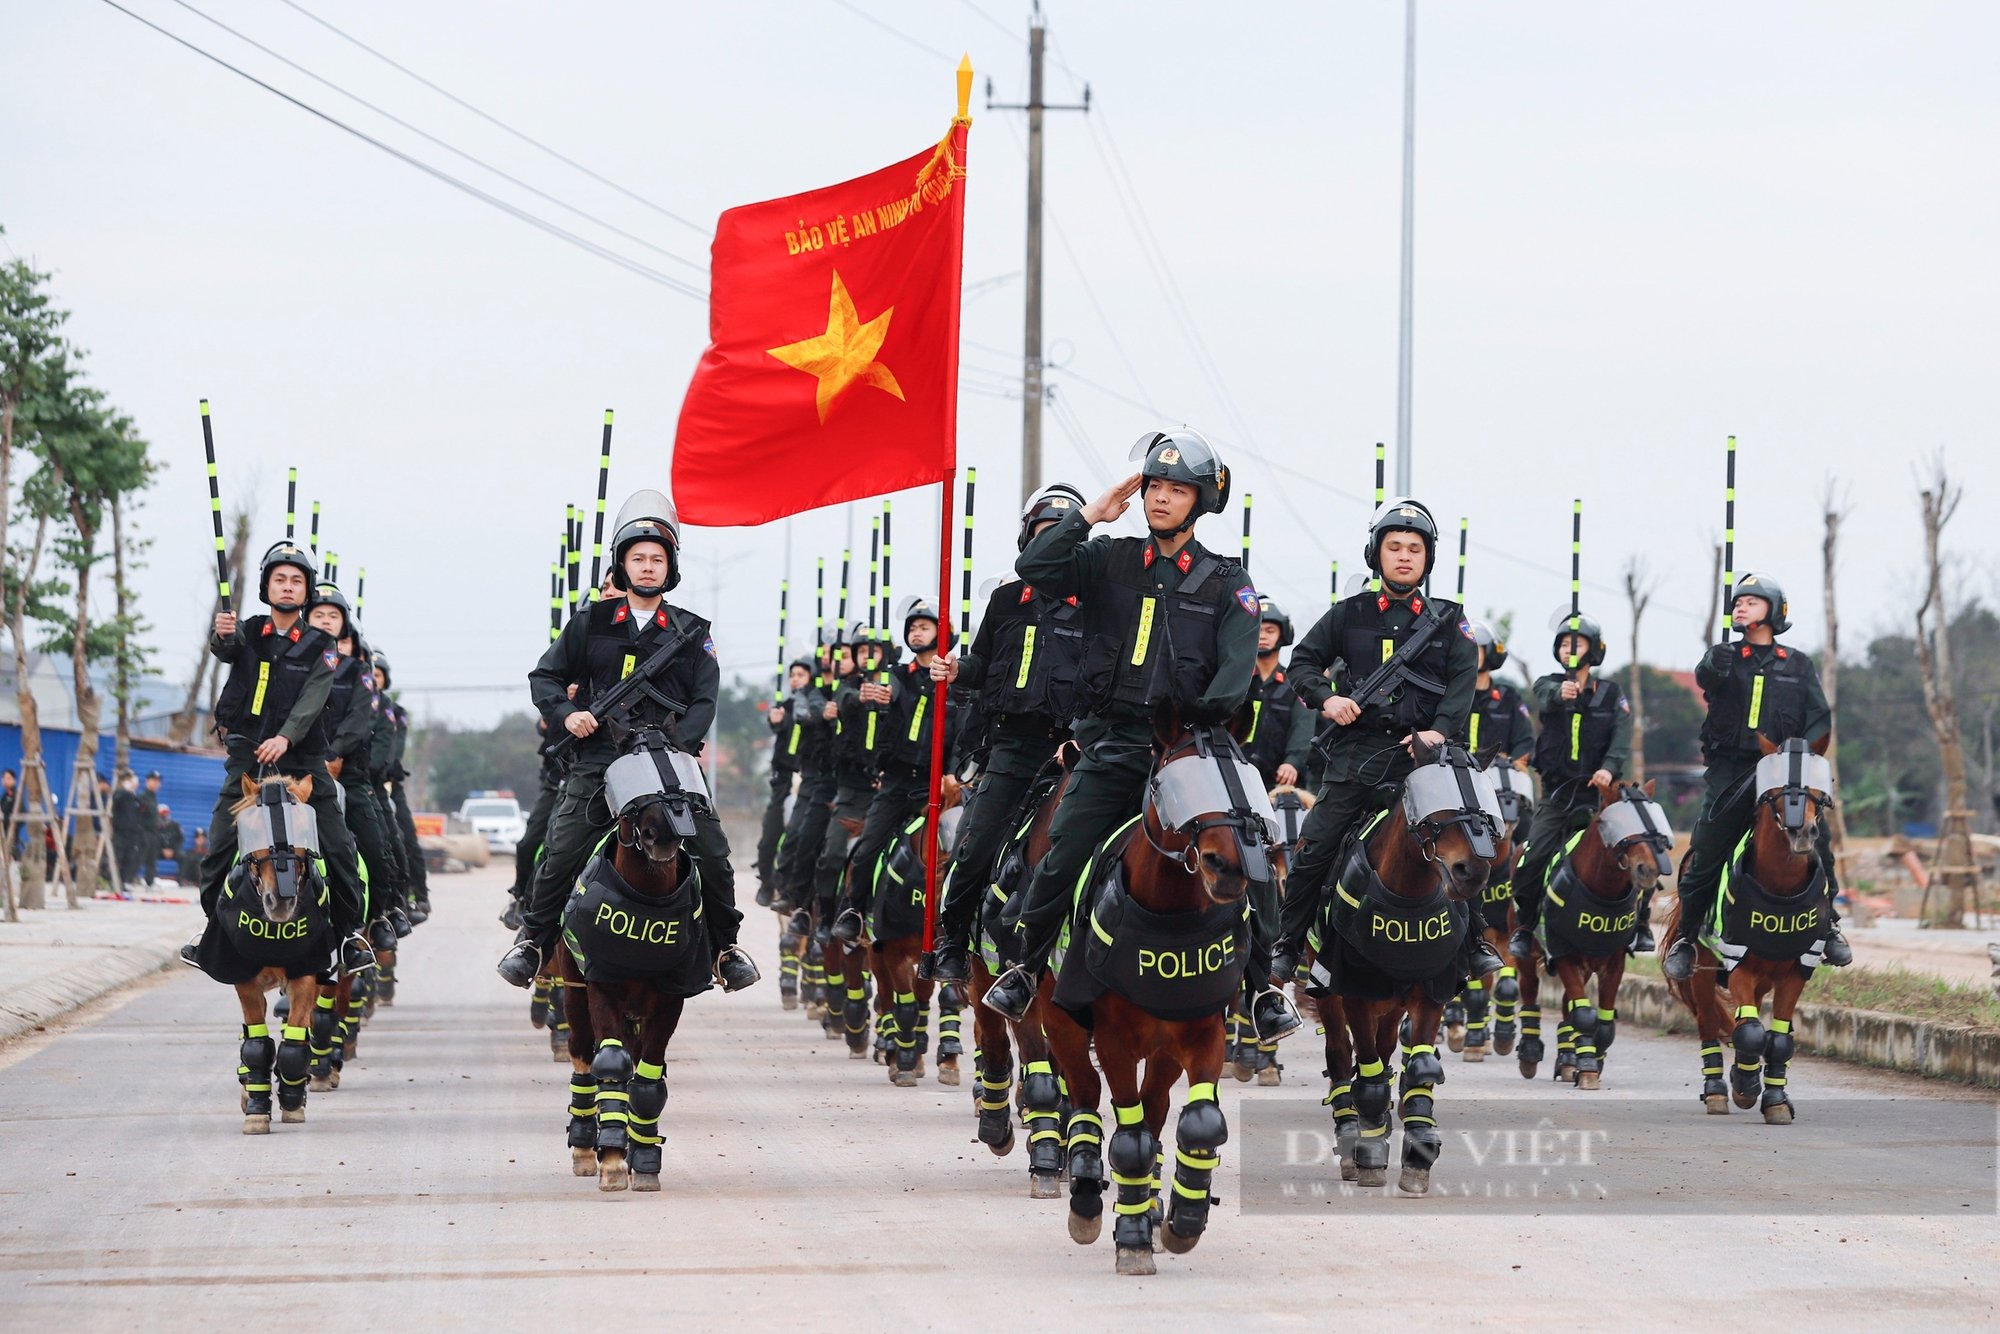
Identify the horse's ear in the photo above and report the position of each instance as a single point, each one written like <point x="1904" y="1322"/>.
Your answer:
<point x="1767" y="746"/>
<point x="1651" y="783"/>
<point x="1607" y="795"/>
<point x="618" y="734"/>
<point x="950" y="792"/>
<point x="1241" y="721"/>
<point x="301" y="788"/>
<point x="1821" y="746"/>
<point x="1167" y="724"/>
<point x="249" y="786"/>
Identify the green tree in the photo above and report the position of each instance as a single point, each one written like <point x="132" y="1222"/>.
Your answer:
<point x="1673" y="717"/>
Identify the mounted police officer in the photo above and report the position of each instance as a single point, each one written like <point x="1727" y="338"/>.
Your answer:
<point x="786" y="738"/>
<point x="1199" y="659"/>
<point x="1499" y="723"/>
<point x="598" y="649"/>
<point x="1583" y="749"/>
<point x="905" y="759"/>
<point x="1023" y="665"/>
<point x="386" y="736"/>
<point x="859" y="733"/>
<point x="1755" y="687"/>
<point x="1374" y="749"/>
<point x="1280" y="740"/>
<point x="812" y="712"/>
<point x="272" y="716"/>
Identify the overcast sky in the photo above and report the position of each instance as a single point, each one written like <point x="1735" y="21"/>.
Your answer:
<point x="1640" y="228"/>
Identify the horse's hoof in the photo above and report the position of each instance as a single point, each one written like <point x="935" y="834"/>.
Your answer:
<point x="1717" y="1104"/>
<point x="1778" y="1114"/>
<point x="257" y="1125"/>
<point x="1454" y="1037"/>
<point x="1503" y="1046"/>
<point x="904" y="1079"/>
<point x="292" y="1116"/>
<point x="1269" y="1077"/>
<point x="1175" y="1242"/>
<point x="1587" y="1079"/>
<point x="1084" y="1231"/>
<point x="919" y="1071"/>
<point x="948" y="1074"/>
<point x="1348" y="1171"/>
<point x="1044" y="1185"/>
<point x="613" y="1174"/>
<point x="321" y="1084"/>
<point x="1747" y="1100"/>
<point x="1136" y="1261"/>
<point x="788" y="1002"/>
<point x="1004" y="1147"/>
<point x="1475" y="1055"/>
<point x="347" y="1050"/>
<point x="1368" y="1176"/>
<point x="1528" y="1069"/>
<point x="560" y="1055"/>
<point x="583" y="1162"/>
<point x="855" y="1053"/>
<point x="1239" y="1071"/>
<point x="333" y="1080"/>
<point x="645" y="1181"/>
<point x="1415" y="1181"/>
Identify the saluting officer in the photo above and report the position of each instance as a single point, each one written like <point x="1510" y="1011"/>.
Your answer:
<point x="598" y="649"/>
<point x="1281" y="726"/>
<point x="1373" y="749"/>
<point x="1499" y="723"/>
<point x="1755" y="687"/>
<point x="1200" y="662"/>
<point x="271" y="713"/>
<point x="1583" y="748"/>
<point x="1023" y="663"/>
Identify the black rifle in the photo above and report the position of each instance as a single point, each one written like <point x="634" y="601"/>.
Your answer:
<point x="1379" y="688"/>
<point x="617" y="704"/>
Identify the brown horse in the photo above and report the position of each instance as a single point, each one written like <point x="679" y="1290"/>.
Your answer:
<point x="1171" y="921"/>
<point x="1595" y="889"/>
<point x="996" y="1040"/>
<point x="1389" y="947"/>
<point x="275" y="896"/>
<point x="1767" y="934"/>
<point x="1487" y="1019"/>
<point x="633" y="950"/>
<point x="896" y="941"/>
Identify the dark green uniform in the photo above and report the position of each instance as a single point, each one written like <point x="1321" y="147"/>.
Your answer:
<point x="595" y="650"/>
<point x="1160" y="631"/>
<point x="1366" y="761"/>
<point x="548" y="786"/>
<point x="1281" y="727"/>
<point x="1753" y="690"/>
<point x="1578" y="737"/>
<point x="406" y="824"/>
<point x="1022" y="665"/>
<point x="786" y="737"/>
<point x="381" y="756"/>
<point x="1499" y="723"/>
<point x="857" y="741"/>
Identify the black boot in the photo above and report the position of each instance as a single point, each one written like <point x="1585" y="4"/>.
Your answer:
<point x="189" y="950"/>
<point x="1284" y="963"/>
<point x="1484" y="958"/>
<point x="518" y="966"/>
<point x="763" y="896"/>
<point x="1678" y="962"/>
<point x="1273" y="1015"/>
<point x="1642" y="939"/>
<point x="847" y="927"/>
<point x="1521" y="944"/>
<point x="1838" y="952"/>
<point x="736" y="969"/>
<point x="1014" y="992"/>
<point x="946" y="963"/>
<point x="399" y="922"/>
<point x="355" y="956"/>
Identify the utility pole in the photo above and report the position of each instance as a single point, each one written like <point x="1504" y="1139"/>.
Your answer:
<point x="1031" y="340"/>
<point x="1405" y="335"/>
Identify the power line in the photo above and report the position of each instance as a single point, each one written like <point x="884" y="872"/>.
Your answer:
<point x="491" y="119"/>
<point x="893" y="31"/>
<point x="421" y="133"/>
<point x="513" y="210"/>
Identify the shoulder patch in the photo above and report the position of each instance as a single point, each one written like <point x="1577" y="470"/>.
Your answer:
<point x="332" y="659"/>
<point x="1465" y="628"/>
<point x="1624" y="705"/>
<point x="708" y="645"/>
<point x="1247" y="597"/>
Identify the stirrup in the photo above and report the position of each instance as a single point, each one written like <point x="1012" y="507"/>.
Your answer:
<point x="1678" y="962"/>
<point x="1272" y="1026"/>
<point x="847" y="926"/>
<point x="1012" y="993"/>
<point x="736" y="969"/>
<point x="518" y="966"/>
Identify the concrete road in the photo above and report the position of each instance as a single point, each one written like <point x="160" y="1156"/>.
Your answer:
<point x="431" y="1191"/>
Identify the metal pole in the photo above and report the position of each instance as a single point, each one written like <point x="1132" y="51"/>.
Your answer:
<point x="885" y="567"/>
<point x="360" y="589"/>
<point x="291" y="502"/>
<point x="784" y="611"/>
<point x="315" y="530"/>
<point x="1246" y="530"/>
<point x="575" y="554"/>
<point x="1406" y="335"/>
<point x="939" y="696"/>
<point x="1380" y="494"/>
<point x="1463" y="524"/>
<point x="965" y="565"/>
<point x="215" y="510"/>
<point x="874" y="564"/>
<point x="603" y="481"/>
<point x="1031" y="337"/>
<point x="1729" y="545"/>
<point x="1575" y="580"/>
<point x="846" y="582"/>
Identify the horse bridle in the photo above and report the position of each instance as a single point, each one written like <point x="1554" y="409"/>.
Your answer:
<point x="1482" y="828"/>
<point x="1658" y="839"/>
<point x="287" y="863"/>
<point x="1213" y="742"/>
<point x="671" y="793"/>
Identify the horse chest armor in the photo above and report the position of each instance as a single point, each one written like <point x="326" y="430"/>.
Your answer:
<point x="1576" y="921"/>
<point x="1749" y="919"/>
<point x="617" y="935"/>
<point x="1410" y="940"/>
<point x="239" y="912"/>
<point x="1174" y="966"/>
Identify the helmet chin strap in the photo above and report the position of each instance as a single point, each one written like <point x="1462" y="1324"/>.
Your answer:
<point x="1400" y="590"/>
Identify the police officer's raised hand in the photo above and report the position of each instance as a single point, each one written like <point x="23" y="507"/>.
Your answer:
<point x="1340" y="710"/>
<point x="944" y="669"/>
<point x="777" y="717"/>
<point x="874" y="692"/>
<point x="1112" y="503"/>
<point x="581" y="723"/>
<point x="273" y="750"/>
<point x="830" y="711"/>
<point x="225" y="624"/>
<point x="1570" y="689"/>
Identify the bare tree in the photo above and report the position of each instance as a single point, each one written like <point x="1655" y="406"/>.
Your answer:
<point x="1829" y="668"/>
<point x="1639" y="585"/>
<point x="1956" y="870"/>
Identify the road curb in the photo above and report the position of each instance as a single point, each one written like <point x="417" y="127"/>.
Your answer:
<point x="1956" y="1052"/>
<point x="26" y="1008"/>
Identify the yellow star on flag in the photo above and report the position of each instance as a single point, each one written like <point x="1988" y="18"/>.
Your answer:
<point x="845" y="354"/>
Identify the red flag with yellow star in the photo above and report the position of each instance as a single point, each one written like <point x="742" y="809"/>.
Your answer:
<point x="832" y="366"/>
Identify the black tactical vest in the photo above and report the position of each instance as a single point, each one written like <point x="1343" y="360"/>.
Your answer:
<point x="1495" y="712"/>
<point x="1767" y="699"/>
<point x="1366" y="642"/>
<point x="618" y="935"/>
<point x="1037" y="652"/>
<point x="613" y="654"/>
<point x="1576" y="921"/>
<point x="813" y="734"/>
<point x="906" y="727"/>
<point x="1576" y="734"/>
<point x="265" y="681"/>
<point x="346" y="680"/>
<point x="1144" y="647"/>
<point x="1272" y="704"/>
<point x="1409" y="940"/>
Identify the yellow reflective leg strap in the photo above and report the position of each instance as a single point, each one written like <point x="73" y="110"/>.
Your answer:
<point x="1142" y="642"/>
<point x="264" y="681"/>
<point x="1576" y="736"/>
<point x="1756" y="700"/>
<point x="631" y="661"/>
<point x="1027" y="659"/>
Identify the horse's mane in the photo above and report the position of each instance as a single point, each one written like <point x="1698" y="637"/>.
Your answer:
<point x="254" y="791"/>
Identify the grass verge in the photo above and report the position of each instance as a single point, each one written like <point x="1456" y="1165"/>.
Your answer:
<point x="1892" y="990"/>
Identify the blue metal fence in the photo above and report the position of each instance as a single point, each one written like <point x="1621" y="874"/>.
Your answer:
<point x="189" y="782"/>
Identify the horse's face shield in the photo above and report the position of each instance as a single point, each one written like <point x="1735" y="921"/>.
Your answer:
<point x="659" y="773"/>
<point x="1634" y="817"/>
<point x="1513" y="791"/>
<point x="1789" y="778"/>
<point x="1290" y="810"/>
<point x="1452" y="790"/>
<point x="1218" y="790"/>
<point x="286" y="834"/>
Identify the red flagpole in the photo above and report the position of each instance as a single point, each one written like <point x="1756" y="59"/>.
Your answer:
<point x="946" y="492"/>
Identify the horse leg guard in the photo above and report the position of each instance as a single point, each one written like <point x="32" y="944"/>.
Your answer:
<point x="323" y="1024"/>
<point x="1421" y="1143"/>
<point x="951" y="1043"/>
<point x="1778" y="1049"/>
<point x="995" y="1104"/>
<point x="1200" y="1131"/>
<point x="1506" y="1002"/>
<point x="583" y="1117"/>
<point x="788" y="971"/>
<point x="1531" y="1050"/>
<point x="538" y="1003"/>
<point x="559" y="1022"/>
<point x="1607" y="1029"/>
<point x="1346" y="1123"/>
<point x="904" y="1017"/>
<point x="1749" y="1038"/>
<point x="1270" y="1071"/>
<point x="854" y="1020"/>
<point x="612" y="1068"/>
<point x="1133" y="1153"/>
<point x="648" y="1101"/>
<point x="1582" y="1020"/>
<point x="1086" y="1176"/>
<point x="1236" y="1056"/>
<point x="1476" y="1011"/>
<point x="1714" y="1091"/>
<point x="1371" y="1104"/>
<point x="834" y="986"/>
<point x="294" y="1067"/>
<point x="253" y="1071"/>
<point x="1042" y="1098"/>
